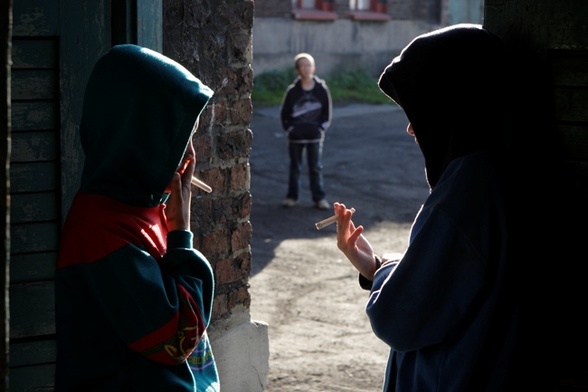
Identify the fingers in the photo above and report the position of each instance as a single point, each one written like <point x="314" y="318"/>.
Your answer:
<point x="176" y="183"/>
<point x="355" y="234"/>
<point x="347" y="233"/>
<point x="177" y="210"/>
<point x="187" y="174"/>
<point x="341" y="211"/>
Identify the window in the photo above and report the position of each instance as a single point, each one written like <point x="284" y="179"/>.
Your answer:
<point x="360" y="5"/>
<point x="375" y="10"/>
<point x="313" y="9"/>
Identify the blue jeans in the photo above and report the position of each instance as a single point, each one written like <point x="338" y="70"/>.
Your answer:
<point x="314" y="153"/>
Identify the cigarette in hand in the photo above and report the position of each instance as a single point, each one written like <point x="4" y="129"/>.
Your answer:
<point x="329" y="221"/>
<point x="201" y="185"/>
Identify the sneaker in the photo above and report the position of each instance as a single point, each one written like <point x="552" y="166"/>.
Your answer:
<point x="289" y="203"/>
<point x="323" y="205"/>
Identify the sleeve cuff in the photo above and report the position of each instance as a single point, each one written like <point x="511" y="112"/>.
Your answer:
<point x="179" y="239"/>
<point x="364" y="282"/>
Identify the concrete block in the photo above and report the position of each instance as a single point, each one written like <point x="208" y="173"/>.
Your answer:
<point x="241" y="350"/>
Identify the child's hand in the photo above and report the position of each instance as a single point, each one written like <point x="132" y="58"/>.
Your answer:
<point x="353" y="244"/>
<point x="177" y="209"/>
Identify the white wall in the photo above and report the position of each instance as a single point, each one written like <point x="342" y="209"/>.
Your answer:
<point x="334" y="44"/>
<point x="344" y="42"/>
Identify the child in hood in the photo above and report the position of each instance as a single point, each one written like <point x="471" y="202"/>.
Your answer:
<point x="133" y="297"/>
<point x="463" y="308"/>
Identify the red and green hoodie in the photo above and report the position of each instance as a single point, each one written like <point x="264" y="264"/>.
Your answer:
<point x="133" y="300"/>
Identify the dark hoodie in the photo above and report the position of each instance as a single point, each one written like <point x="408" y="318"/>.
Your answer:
<point x="133" y="300"/>
<point x="463" y="309"/>
<point x="306" y="115"/>
<point x="451" y="84"/>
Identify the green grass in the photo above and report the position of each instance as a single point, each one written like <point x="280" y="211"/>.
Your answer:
<point x="345" y="87"/>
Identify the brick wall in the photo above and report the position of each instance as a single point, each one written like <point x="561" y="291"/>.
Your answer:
<point x="213" y="40"/>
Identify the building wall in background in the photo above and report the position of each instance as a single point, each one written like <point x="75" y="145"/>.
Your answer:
<point x="341" y="38"/>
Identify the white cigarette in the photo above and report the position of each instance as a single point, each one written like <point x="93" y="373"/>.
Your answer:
<point x="201" y="185"/>
<point x="329" y="221"/>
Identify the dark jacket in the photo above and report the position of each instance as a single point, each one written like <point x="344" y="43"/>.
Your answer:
<point x="464" y="308"/>
<point x="132" y="299"/>
<point x="306" y="115"/>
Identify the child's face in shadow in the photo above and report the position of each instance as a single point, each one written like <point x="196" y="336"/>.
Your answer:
<point x="189" y="154"/>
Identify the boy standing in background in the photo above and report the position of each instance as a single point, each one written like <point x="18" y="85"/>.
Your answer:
<point x="305" y="114"/>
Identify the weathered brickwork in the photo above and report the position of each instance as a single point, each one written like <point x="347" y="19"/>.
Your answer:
<point x="213" y="39"/>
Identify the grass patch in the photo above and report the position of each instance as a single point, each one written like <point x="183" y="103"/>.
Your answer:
<point x="345" y="87"/>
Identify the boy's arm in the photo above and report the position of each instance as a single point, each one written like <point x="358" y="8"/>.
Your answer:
<point x="327" y="109"/>
<point x="286" y="111"/>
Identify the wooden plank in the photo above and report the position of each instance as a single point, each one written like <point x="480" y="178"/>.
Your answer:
<point x="569" y="69"/>
<point x="37" y="53"/>
<point x="575" y="174"/>
<point x="573" y="142"/>
<point x="37" y="318"/>
<point x="34" y="84"/>
<point x="33" y="352"/>
<point x="34" y="115"/>
<point x="566" y="23"/>
<point x="33" y="177"/>
<point x="85" y="35"/>
<point x="32" y="365"/>
<point x="34" y="146"/>
<point x="39" y="378"/>
<point x="25" y="268"/>
<point x="34" y="237"/>
<point x="31" y="207"/>
<point x="35" y="18"/>
<point x="570" y="104"/>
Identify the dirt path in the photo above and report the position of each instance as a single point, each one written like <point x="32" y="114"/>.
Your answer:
<point x="301" y="286"/>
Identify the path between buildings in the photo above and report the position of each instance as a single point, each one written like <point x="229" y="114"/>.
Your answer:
<point x="301" y="286"/>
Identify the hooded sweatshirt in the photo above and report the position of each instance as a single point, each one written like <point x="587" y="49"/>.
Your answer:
<point x="451" y="85"/>
<point x="306" y="114"/>
<point x="133" y="300"/>
<point x="460" y="308"/>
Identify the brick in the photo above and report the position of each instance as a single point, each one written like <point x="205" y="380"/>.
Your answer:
<point x="240" y="177"/>
<point x="213" y="40"/>
<point x="236" y="144"/>
<point x="216" y="244"/>
<point x="231" y="270"/>
<point x="202" y="146"/>
<point x="241" y="237"/>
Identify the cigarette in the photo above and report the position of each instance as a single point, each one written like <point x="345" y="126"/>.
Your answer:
<point x="329" y="221"/>
<point x="201" y="185"/>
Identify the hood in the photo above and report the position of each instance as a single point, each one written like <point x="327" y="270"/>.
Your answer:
<point x="139" y="111"/>
<point x="450" y="84"/>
